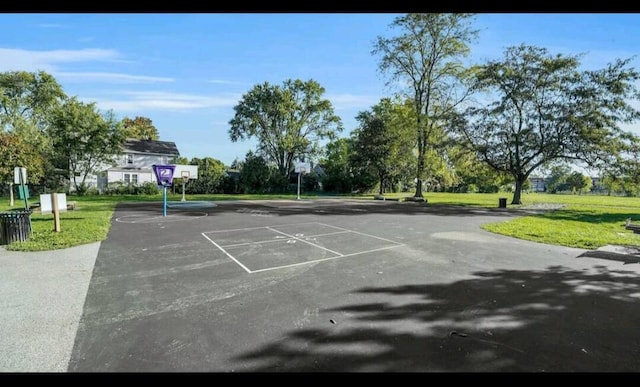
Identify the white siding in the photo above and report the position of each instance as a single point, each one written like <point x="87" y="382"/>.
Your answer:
<point x="143" y="177"/>
<point x="140" y="160"/>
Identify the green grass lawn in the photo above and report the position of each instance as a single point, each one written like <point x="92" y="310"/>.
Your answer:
<point x="586" y="221"/>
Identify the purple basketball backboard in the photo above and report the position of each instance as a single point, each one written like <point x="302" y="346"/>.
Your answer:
<point x="164" y="174"/>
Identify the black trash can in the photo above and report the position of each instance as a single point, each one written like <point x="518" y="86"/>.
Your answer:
<point x="502" y="202"/>
<point x="15" y="226"/>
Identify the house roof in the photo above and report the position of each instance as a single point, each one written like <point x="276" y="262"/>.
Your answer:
<point x="151" y="146"/>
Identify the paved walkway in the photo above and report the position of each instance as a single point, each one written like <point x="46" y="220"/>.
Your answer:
<point x="41" y="298"/>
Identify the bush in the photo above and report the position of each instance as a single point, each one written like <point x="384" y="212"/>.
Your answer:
<point x="148" y="188"/>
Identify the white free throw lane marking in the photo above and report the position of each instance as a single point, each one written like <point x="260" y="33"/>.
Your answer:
<point x="361" y="233"/>
<point x="302" y="240"/>
<point x="228" y="255"/>
<point x="281" y="239"/>
<point x="325" y="259"/>
<point x="256" y="228"/>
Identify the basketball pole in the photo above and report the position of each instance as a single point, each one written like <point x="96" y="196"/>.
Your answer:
<point x="299" y="173"/>
<point x="164" y="200"/>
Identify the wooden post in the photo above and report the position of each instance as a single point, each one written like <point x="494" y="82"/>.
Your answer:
<point x="56" y="212"/>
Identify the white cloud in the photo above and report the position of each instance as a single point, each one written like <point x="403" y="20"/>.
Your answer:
<point x="109" y="77"/>
<point x="25" y="60"/>
<point x="153" y="100"/>
<point x="224" y="82"/>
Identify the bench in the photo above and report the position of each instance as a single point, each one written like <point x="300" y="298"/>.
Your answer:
<point x="633" y="227"/>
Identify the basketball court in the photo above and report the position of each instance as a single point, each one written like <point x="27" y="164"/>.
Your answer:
<point x="345" y="285"/>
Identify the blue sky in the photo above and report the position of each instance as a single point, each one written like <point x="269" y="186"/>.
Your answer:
<point x="186" y="71"/>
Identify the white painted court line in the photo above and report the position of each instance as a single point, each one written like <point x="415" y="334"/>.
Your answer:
<point x="338" y="255"/>
<point x="302" y="240"/>
<point x="324" y="259"/>
<point x="256" y="228"/>
<point x="361" y="233"/>
<point x="280" y="240"/>
<point x="254" y="243"/>
<point x="228" y="255"/>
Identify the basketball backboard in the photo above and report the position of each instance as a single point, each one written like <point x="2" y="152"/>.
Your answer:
<point x="183" y="169"/>
<point x="302" y="168"/>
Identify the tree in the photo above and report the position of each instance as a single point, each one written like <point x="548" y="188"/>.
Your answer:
<point x="337" y="168"/>
<point x="542" y="108"/>
<point x="26" y="103"/>
<point x="382" y="143"/>
<point x="288" y="121"/>
<point x="18" y="153"/>
<point x="578" y="182"/>
<point x="471" y="174"/>
<point x="140" y="128"/>
<point x="85" y="139"/>
<point x="26" y="99"/>
<point x="254" y="177"/>
<point x="557" y="179"/>
<point x="427" y="56"/>
<point x="210" y="174"/>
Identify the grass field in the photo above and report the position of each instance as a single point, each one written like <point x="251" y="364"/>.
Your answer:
<point x="585" y="221"/>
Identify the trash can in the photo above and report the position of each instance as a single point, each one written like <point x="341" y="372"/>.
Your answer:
<point x="15" y="226"/>
<point x="502" y="202"/>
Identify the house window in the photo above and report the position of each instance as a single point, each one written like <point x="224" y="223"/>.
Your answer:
<point x="131" y="178"/>
<point x="129" y="159"/>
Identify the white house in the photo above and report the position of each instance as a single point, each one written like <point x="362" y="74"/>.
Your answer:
<point x="134" y="165"/>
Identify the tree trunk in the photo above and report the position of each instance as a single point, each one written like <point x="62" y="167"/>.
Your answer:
<point x="381" y="185"/>
<point x="518" y="192"/>
<point x="421" y="151"/>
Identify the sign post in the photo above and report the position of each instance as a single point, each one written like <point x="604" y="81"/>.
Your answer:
<point x="164" y="175"/>
<point x="20" y="177"/>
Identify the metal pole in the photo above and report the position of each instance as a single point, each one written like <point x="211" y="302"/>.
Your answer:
<point x="164" y="199"/>
<point x="183" y="198"/>
<point x="24" y="190"/>
<point x="299" y="185"/>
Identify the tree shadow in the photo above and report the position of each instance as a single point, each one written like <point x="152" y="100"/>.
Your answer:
<point x="332" y="208"/>
<point x="553" y="320"/>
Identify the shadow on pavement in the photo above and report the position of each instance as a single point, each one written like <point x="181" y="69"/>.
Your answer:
<point x="555" y="320"/>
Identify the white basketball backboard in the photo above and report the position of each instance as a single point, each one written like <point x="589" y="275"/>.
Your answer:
<point x="303" y="168"/>
<point x="192" y="170"/>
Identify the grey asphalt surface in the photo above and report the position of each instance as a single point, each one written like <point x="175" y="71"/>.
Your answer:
<point x="41" y="298"/>
<point x="323" y="285"/>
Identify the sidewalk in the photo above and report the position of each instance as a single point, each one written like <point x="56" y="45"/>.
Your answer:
<point x="41" y="298"/>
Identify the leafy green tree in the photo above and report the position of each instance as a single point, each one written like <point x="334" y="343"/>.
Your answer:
<point x="85" y="139"/>
<point x="140" y="128"/>
<point x="26" y="103"/>
<point x="288" y="121"/>
<point x="383" y="142"/>
<point x="210" y="175"/>
<point x="542" y="108"/>
<point x="27" y="99"/>
<point x="254" y="177"/>
<point x="16" y="152"/>
<point x="427" y="56"/>
<point x="336" y="166"/>
<point x="472" y="175"/>
<point x="578" y="182"/>
<point x="556" y="180"/>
